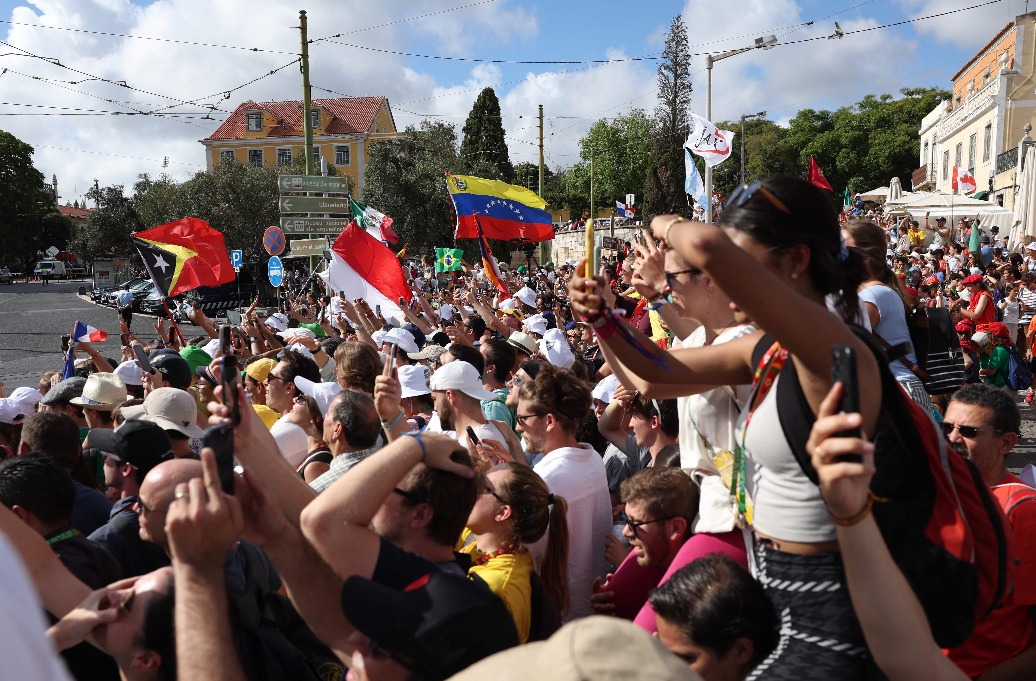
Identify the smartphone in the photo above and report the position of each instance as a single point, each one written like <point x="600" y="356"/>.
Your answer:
<point x="221" y="439"/>
<point x="233" y="317"/>
<point x="390" y="362"/>
<point x="65" y="340"/>
<point x="229" y="378"/>
<point x="226" y="340"/>
<point x="377" y="310"/>
<point x="472" y="438"/>
<point x="843" y="370"/>
<point x="142" y="359"/>
<point x="341" y="296"/>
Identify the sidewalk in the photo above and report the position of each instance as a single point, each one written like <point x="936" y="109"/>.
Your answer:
<point x="1025" y="451"/>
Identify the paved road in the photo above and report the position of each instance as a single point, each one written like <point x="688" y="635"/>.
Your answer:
<point x="33" y="317"/>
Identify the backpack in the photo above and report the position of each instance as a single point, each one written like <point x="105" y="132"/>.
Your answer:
<point x="938" y="518"/>
<point x="944" y="359"/>
<point x="273" y="641"/>
<point x="1018" y="375"/>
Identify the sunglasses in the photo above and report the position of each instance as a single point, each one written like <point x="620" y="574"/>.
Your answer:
<point x="744" y="193"/>
<point x="670" y="277"/>
<point x="488" y="490"/>
<point x="522" y="418"/>
<point x="636" y="525"/>
<point x="965" y="431"/>
<point x="412" y="498"/>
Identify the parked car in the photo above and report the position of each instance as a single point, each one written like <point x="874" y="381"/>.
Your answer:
<point x="100" y="295"/>
<point x="139" y="291"/>
<point x="5" y="276"/>
<point x="49" y="268"/>
<point x="214" y="300"/>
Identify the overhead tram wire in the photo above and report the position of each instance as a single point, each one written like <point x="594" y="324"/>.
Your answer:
<point x="401" y="21"/>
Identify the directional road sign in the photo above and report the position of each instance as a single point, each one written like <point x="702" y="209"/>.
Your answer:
<point x="313" y="204"/>
<point x="275" y="271"/>
<point x="314" y="225"/>
<point x="312" y="183"/>
<point x="307" y="247"/>
<point x="236" y="258"/>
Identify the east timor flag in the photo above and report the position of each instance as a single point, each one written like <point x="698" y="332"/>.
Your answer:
<point x="184" y="255"/>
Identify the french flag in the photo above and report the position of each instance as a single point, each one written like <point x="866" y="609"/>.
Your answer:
<point x="84" y="333"/>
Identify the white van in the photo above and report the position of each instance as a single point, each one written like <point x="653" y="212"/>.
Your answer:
<point x="51" y="268"/>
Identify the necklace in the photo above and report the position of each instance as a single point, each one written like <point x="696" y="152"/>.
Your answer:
<point x="486" y="557"/>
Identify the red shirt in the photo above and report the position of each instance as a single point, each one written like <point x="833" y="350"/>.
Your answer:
<point x="988" y="314"/>
<point x="1008" y="631"/>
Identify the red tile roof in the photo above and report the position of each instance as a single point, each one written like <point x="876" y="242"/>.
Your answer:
<point x="75" y="213"/>
<point x="349" y="115"/>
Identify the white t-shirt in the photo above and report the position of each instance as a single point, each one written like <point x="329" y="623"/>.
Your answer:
<point x="291" y="440"/>
<point x="712" y="415"/>
<point x="24" y="648"/>
<point x="578" y="475"/>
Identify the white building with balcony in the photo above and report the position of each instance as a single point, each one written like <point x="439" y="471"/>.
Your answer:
<point x="979" y="127"/>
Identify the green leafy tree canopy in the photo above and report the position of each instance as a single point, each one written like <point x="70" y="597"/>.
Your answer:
<point x="483" y="151"/>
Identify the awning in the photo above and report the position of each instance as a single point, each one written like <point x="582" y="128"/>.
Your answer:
<point x="981" y="196"/>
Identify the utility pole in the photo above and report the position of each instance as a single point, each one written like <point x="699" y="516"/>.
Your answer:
<point x="592" y="214"/>
<point x="307" y="118"/>
<point x="541" y="151"/>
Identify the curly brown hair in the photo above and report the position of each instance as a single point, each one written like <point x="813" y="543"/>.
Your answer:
<point x="358" y="365"/>
<point x="559" y="392"/>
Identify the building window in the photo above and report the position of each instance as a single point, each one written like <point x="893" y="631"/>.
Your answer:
<point x="314" y="118"/>
<point x="343" y="156"/>
<point x="226" y="155"/>
<point x="945" y="163"/>
<point x="985" y="77"/>
<point x="987" y="141"/>
<point x="284" y="157"/>
<point x="255" y="121"/>
<point x="316" y="154"/>
<point x="925" y="157"/>
<point x="255" y="157"/>
<point x="958" y="154"/>
<point x="972" y="145"/>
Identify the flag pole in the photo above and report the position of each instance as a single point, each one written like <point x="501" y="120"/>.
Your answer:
<point x="172" y="321"/>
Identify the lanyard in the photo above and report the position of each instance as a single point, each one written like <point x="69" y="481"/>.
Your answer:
<point x="67" y="534"/>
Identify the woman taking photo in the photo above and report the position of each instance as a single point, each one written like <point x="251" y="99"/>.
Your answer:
<point x="778" y="254"/>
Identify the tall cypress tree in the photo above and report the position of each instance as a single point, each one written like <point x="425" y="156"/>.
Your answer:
<point x="483" y="151"/>
<point x="664" y="192"/>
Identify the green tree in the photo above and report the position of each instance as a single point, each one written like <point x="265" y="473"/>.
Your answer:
<point x="620" y="149"/>
<point x="765" y="154"/>
<point x="406" y="179"/>
<point x="664" y="191"/>
<point x="483" y="151"/>
<point x="25" y="200"/>
<point x="108" y="229"/>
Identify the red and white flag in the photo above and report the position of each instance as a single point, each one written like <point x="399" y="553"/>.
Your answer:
<point x="709" y="142"/>
<point x="963" y="180"/>
<point x="816" y="175"/>
<point x="363" y="267"/>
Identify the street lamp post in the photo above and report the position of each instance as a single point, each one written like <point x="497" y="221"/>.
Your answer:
<point x="746" y="117"/>
<point x="760" y="43"/>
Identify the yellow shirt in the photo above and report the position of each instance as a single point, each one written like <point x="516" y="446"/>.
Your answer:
<point x="266" y="415"/>
<point x="509" y="576"/>
<point x="917" y="237"/>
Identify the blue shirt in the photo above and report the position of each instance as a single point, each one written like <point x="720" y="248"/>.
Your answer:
<point x="125" y="297"/>
<point x="90" y="509"/>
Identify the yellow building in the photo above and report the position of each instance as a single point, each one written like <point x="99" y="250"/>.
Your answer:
<point x="270" y="133"/>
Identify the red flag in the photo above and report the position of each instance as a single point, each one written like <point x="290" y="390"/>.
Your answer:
<point x="183" y="255"/>
<point x="489" y="262"/>
<point x="816" y="175"/>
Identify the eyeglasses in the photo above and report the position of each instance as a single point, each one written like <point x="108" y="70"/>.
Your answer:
<point x="522" y="418"/>
<point x="409" y="496"/>
<point x="635" y="526"/>
<point x="517" y="381"/>
<point x="965" y="431"/>
<point x="670" y="277"/>
<point x="745" y="192"/>
<point x="488" y="490"/>
<point x="144" y="510"/>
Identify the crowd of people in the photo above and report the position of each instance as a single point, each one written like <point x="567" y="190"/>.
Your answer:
<point x="643" y="472"/>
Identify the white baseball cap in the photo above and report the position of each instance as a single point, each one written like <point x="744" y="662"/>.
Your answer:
<point x="556" y="349"/>
<point x="536" y="323"/>
<point x="323" y="393"/>
<point x="129" y="373"/>
<point x="19" y="405"/>
<point x="413" y="380"/>
<point x="459" y="375"/>
<point x="401" y="338"/>
<point x="605" y="388"/>
<point x="446" y="312"/>
<point x="527" y="296"/>
<point x="277" y="321"/>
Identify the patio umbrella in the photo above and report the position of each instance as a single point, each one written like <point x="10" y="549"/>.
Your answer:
<point x="895" y="189"/>
<point x="1024" y="228"/>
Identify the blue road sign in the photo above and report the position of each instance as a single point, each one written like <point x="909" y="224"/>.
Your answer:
<point x="236" y="258"/>
<point x="275" y="271"/>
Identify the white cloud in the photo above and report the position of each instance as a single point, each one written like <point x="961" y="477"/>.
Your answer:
<point x="969" y="29"/>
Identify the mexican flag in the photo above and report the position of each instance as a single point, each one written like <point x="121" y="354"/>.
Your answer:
<point x="377" y="224"/>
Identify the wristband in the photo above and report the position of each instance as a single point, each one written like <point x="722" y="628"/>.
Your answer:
<point x="607" y="325"/>
<point x="665" y="232"/>
<point x="655" y="304"/>
<point x="417" y="436"/>
<point x="388" y="426"/>
<point x="853" y="520"/>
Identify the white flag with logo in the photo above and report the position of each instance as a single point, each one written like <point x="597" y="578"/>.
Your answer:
<point x="709" y="142"/>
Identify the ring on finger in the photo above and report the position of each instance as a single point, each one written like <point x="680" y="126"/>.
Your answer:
<point x="181" y="495"/>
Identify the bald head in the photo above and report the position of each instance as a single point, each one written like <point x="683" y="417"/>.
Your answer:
<point x="156" y="493"/>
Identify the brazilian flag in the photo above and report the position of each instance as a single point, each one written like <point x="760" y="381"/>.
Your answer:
<point x="448" y="259"/>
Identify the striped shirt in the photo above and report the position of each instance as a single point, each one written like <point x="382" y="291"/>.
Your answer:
<point x="1027" y="299"/>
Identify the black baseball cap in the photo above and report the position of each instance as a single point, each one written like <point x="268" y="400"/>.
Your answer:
<point x="174" y="369"/>
<point x="141" y="443"/>
<point x="437" y="626"/>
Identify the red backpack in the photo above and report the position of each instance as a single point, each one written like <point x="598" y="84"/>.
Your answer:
<point x="939" y="519"/>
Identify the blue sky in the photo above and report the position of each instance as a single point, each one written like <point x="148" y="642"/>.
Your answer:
<point x="817" y="73"/>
